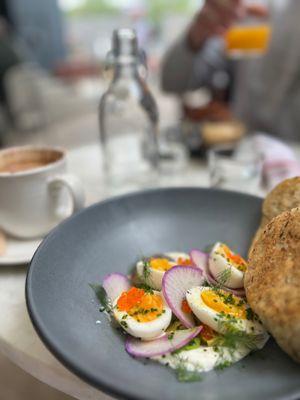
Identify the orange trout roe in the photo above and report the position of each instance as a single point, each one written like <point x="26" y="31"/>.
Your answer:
<point x="142" y="306"/>
<point x="185" y="307"/>
<point x="162" y="264"/>
<point x="207" y="333"/>
<point x="184" y="262"/>
<point x="129" y="299"/>
<point x="235" y="258"/>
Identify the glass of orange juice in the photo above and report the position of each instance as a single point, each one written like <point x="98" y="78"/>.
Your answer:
<point x="250" y="37"/>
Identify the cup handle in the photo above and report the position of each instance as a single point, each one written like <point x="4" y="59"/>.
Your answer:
<point x="75" y="189"/>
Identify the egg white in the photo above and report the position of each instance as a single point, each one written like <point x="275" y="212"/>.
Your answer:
<point x="144" y="330"/>
<point x="212" y="318"/>
<point x="218" y="264"/>
<point x="154" y="278"/>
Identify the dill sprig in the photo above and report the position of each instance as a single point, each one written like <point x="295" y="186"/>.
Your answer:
<point x="223" y="364"/>
<point x="146" y="272"/>
<point x="232" y="337"/>
<point x="231" y="340"/>
<point x="102" y="297"/>
<point x="146" y="269"/>
<point x="184" y="375"/>
<point x="208" y="248"/>
<point x="223" y="277"/>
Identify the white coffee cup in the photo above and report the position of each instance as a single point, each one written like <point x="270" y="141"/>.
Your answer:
<point x="35" y="190"/>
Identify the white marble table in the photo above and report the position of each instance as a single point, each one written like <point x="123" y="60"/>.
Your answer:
<point x="18" y="339"/>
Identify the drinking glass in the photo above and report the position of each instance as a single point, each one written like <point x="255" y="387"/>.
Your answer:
<point x="173" y="154"/>
<point x="235" y="168"/>
<point x="251" y="36"/>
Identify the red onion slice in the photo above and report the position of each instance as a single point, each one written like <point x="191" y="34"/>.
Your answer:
<point x="163" y="345"/>
<point x="115" y="284"/>
<point x="200" y="259"/>
<point x="175" y="283"/>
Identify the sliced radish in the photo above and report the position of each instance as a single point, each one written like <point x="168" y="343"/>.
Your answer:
<point x="199" y="258"/>
<point x="163" y="345"/>
<point x="115" y="284"/>
<point x="175" y="284"/>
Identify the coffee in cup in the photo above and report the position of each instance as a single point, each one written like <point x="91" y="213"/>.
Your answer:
<point x="35" y="190"/>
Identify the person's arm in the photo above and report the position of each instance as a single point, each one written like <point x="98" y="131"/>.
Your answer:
<point x="185" y="70"/>
<point x="193" y="60"/>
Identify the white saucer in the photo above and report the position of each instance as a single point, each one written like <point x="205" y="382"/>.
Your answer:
<point x="19" y="251"/>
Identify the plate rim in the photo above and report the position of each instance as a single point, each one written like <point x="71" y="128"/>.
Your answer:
<point x="38" y="325"/>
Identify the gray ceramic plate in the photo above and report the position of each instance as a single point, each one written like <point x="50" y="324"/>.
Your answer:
<point x="110" y="236"/>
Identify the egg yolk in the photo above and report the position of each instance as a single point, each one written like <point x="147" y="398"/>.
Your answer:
<point x="224" y="302"/>
<point x="141" y="305"/>
<point x="234" y="259"/>
<point x="162" y="264"/>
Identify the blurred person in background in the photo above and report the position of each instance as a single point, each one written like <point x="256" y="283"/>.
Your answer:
<point x="264" y="90"/>
<point x="9" y="57"/>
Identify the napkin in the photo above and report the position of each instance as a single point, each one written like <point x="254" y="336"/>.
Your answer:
<point x="279" y="159"/>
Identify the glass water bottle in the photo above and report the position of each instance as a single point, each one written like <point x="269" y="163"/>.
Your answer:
<point x="128" y="117"/>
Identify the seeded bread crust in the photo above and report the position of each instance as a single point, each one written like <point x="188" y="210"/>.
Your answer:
<point x="284" y="197"/>
<point x="272" y="280"/>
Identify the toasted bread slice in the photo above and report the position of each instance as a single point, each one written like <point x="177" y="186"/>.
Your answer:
<point x="272" y="281"/>
<point x="283" y="197"/>
<point x="263" y="223"/>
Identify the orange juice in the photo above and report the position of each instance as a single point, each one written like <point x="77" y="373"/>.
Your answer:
<point x="247" y="39"/>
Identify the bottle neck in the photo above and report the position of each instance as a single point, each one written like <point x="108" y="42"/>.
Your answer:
<point x="126" y="70"/>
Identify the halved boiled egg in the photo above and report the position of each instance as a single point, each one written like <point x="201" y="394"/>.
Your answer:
<point x="220" y="309"/>
<point x="143" y="314"/>
<point x="226" y="266"/>
<point x="152" y="269"/>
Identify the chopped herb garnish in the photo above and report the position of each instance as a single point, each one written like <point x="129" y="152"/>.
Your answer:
<point x="124" y="324"/>
<point x="145" y="287"/>
<point x="249" y="314"/>
<point x="229" y="299"/>
<point x="171" y="335"/>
